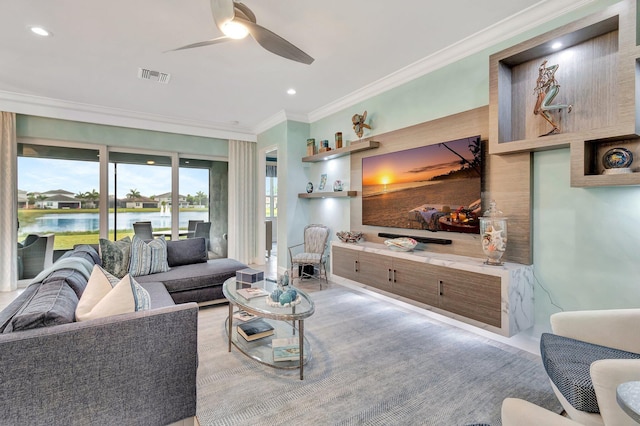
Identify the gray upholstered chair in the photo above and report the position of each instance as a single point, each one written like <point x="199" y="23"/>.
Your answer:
<point x="311" y="253"/>
<point x="143" y="230"/>
<point x="191" y="227"/>
<point x="587" y="357"/>
<point x="203" y="229"/>
<point x="35" y="254"/>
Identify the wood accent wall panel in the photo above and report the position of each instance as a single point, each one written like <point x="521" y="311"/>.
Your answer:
<point x="507" y="180"/>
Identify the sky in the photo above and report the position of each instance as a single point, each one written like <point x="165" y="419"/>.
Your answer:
<point x="412" y="165"/>
<point x="41" y="175"/>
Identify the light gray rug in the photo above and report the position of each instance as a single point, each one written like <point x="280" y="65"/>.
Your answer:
<point x="374" y="363"/>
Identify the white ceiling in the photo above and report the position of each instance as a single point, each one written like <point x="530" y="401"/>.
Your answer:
<point x="88" y="70"/>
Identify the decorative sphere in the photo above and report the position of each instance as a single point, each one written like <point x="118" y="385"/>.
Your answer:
<point x="293" y="294"/>
<point x="275" y="295"/>
<point x="285" y="298"/>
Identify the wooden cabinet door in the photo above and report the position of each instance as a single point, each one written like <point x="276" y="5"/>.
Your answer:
<point x="375" y="270"/>
<point x="345" y="263"/>
<point x="469" y="294"/>
<point x="416" y="281"/>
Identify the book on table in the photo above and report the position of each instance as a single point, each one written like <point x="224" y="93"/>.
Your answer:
<point x="254" y="330"/>
<point x="243" y="316"/>
<point x="251" y="292"/>
<point x="286" y="349"/>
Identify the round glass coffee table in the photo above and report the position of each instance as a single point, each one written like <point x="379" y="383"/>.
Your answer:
<point x="283" y="319"/>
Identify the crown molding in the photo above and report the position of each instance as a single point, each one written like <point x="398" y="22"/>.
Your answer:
<point x="528" y="19"/>
<point x="65" y="110"/>
<point x="278" y="118"/>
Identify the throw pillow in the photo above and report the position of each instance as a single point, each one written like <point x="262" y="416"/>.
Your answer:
<point x="107" y="295"/>
<point x="148" y="258"/>
<point x="115" y="256"/>
<point x="186" y="252"/>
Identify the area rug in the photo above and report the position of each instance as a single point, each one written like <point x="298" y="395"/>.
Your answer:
<point x="373" y="363"/>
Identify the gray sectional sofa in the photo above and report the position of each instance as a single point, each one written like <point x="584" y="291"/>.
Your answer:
<point x="136" y="368"/>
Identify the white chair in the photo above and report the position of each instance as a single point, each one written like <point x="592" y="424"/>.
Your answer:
<point x="311" y="252"/>
<point x="613" y="328"/>
<point x="517" y="412"/>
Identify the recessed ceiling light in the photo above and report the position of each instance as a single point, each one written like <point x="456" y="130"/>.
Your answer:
<point x="150" y="162"/>
<point x="556" y="45"/>
<point x="291" y="91"/>
<point x="40" y="31"/>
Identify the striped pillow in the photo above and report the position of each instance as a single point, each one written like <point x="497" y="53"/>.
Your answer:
<point x="148" y="258"/>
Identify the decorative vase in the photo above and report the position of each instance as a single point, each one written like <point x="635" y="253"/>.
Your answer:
<point x="493" y="229"/>
<point x="309" y="188"/>
<point x="337" y="186"/>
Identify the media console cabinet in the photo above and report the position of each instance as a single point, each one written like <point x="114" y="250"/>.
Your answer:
<point x="495" y="298"/>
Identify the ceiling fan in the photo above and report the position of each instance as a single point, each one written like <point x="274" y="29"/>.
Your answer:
<point x="236" y="21"/>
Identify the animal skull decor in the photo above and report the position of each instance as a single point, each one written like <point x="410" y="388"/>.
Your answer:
<point x="359" y="124"/>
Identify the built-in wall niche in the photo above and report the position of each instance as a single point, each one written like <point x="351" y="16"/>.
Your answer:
<point x="593" y="75"/>
<point x="588" y="167"/>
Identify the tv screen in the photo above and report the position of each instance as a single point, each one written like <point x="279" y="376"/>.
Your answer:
<point x="436" y="187"/>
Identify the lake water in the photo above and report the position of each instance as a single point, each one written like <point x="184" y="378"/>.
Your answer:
<point x="78" y="222"/>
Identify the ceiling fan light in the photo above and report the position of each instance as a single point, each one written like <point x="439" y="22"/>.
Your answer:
<point x="234" y="30"/>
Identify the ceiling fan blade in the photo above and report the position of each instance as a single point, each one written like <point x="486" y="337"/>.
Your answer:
<point x="274" y="43"/>
<point x="202" y="43"/>
<point x="222" y="11"/>
<point x="244" y="10"/>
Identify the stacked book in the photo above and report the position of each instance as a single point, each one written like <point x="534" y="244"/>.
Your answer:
<point x="254" y="330"/>
<point x="286" y="349"/>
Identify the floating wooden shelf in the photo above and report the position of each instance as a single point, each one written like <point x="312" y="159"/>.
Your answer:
<point x="329" y="194"/>
<point x="341" y="152"/>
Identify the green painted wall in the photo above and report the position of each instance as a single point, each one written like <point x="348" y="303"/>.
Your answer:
<point x="51" y="128"/>
<point x="585" y="240"/>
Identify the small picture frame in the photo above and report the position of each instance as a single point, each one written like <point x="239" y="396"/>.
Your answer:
<point x="323" y="181"/>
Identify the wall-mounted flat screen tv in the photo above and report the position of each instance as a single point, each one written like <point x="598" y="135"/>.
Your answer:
<point x="435" y="187"/>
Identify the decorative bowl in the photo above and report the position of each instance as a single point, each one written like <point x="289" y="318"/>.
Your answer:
<point x="350" y="236"/>
<point x="401" y="244"/>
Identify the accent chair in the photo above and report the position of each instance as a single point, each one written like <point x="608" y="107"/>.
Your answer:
<point x="311" y="253"/>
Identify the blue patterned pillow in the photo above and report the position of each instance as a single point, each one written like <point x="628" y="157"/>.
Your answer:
<point x="148" y="258"/>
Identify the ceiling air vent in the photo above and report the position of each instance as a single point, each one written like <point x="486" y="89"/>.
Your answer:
<point x="160" y="77"/>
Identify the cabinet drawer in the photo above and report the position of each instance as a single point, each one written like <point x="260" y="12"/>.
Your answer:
<point x="375" y="270"/>
<point x="472" y="295"/>
<point x="345" y="263"/>
<point x="416" y="281"/>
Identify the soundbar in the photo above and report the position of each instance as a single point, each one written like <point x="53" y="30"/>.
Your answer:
<point x="418" y="239"/>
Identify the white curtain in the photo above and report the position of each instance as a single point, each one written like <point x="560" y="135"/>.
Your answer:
<point x="8" y="201"/>
<point x="243" y="208"/>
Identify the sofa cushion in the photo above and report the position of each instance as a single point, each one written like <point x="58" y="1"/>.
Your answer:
<point x="158" y="294"/>
<point x="187" y="251"/>
<point x="107" y="295"/>
<point x="115" y="256"/>
<point x="148" y="258"/>
<point x="198" y="275"/>
<point x="74" y="279"/>
<point x="52" y="304"/>
<point x="568" y="362"/>
<point x="84" y="251"/>
<point x="16" y="305"/>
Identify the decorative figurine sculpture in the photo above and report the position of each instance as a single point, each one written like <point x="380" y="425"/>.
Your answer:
<point x="546" y="89"/>
<point x="359" y="124"/>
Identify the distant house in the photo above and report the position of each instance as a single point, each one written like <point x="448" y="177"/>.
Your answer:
<point x="58" y="199"/>
<point x="140" y="203"/>
<point x="23" y="199"/>
<point x="166" y="197"/>
<point x="59" y="202"/>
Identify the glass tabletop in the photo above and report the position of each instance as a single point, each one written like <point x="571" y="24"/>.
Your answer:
<point x="258" y="305"/>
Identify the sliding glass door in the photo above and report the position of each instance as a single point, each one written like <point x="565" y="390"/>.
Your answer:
<point x="139" y="191"/>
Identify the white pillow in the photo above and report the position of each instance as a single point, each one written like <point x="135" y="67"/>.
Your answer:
<point x="106" y="295"/>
